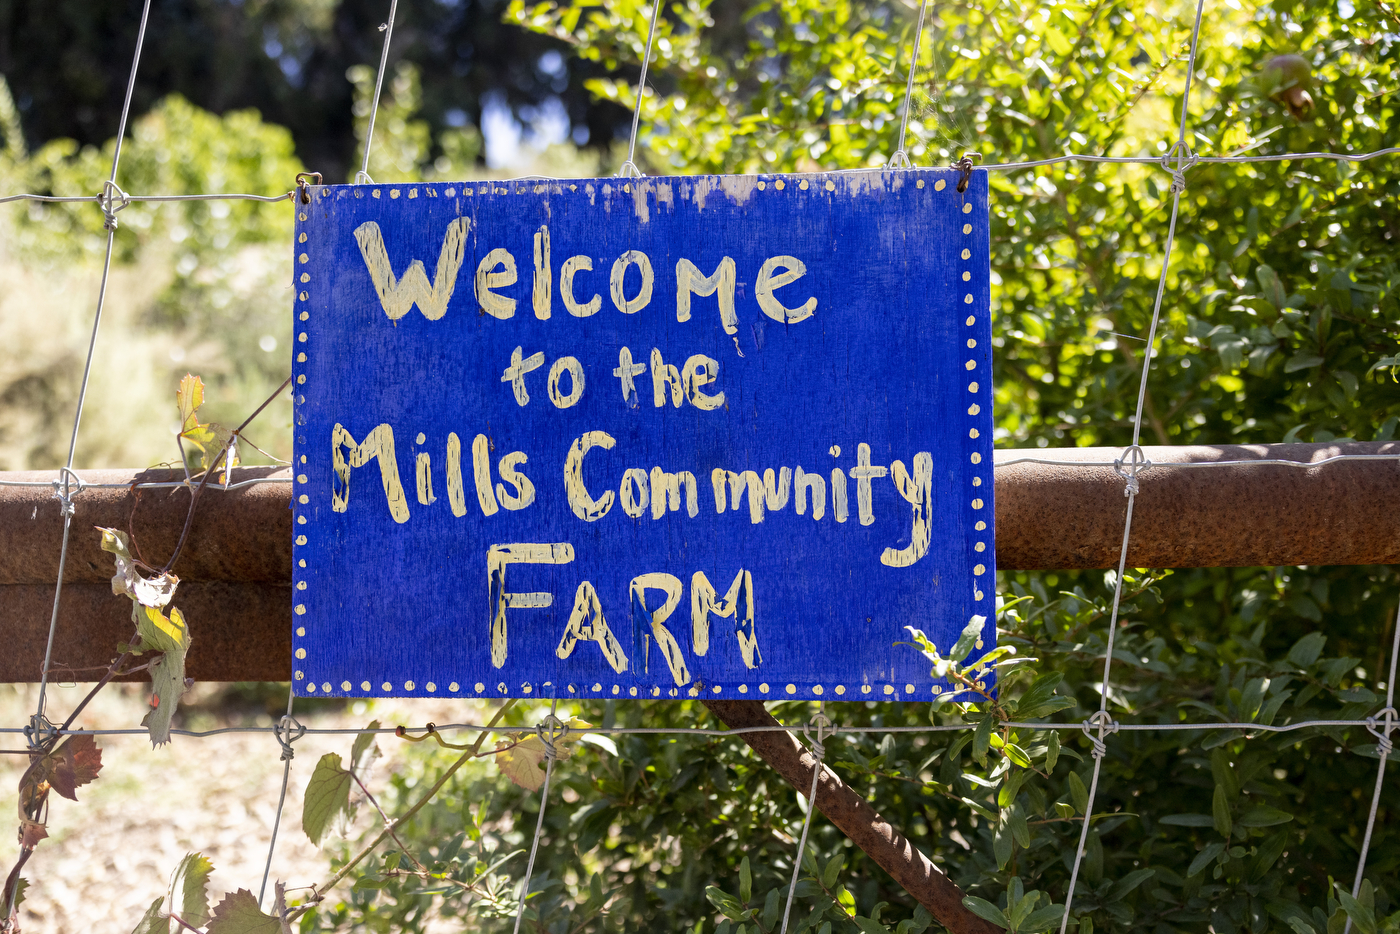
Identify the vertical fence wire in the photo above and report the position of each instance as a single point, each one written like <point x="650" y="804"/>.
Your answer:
<point x="550" y="732"/>
<point x="900" y="157"/>
<point x="641" y="89"/>
<point x="113" y="200"/>
<point x="289" y="730"/>
<point x="1102" y="721"/>
<point x="362" y="176"/>
<point x="1384" y="747"/>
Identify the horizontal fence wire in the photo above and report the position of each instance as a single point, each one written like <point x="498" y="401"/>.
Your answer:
<point x="1157" y="161"/>
<point x="797" y="728"/>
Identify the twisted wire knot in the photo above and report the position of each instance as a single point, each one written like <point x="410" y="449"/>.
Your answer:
<point x="66" y="486"/>
<point x="287" y="731"/>
<point x="550" y="731"/>
<point x="112" y="200"/>
<point x="1383" y="742"/>
<point x="40" y="732"/>
<point x="1105" y="725"/>
<point x="824" y="728"/>
<point x="1137" y="462"/>
<point x="1184" y="158"/>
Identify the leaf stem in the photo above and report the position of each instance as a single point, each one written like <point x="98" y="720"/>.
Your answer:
<point x="428" y="796"/>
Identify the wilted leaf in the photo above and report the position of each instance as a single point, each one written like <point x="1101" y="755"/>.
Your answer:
<point x="189" y="889"/>
<point x="520" y="761"/>
<point x="189" y="396"/>
<point x="238" y="913"/>
<point x="154" y="921"/>
<point x="167" y="685"/>
<point x="30" y="833"/>
<point x="73" y="764"/>
<point x="327" y="797"/>
<point x="521" y="758"/>
<point x="162" y="633"/>
<point x="128" y="582"/>
<point x="5" y="907"/>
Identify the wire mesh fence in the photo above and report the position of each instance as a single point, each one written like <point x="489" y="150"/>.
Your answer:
<point x="1101" y="729"/>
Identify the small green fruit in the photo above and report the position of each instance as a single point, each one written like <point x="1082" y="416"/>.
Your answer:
<point x="1286" y="78"/>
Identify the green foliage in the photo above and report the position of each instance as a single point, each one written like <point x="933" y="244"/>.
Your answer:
<point x="402" y="140"/>
<point x="239" y="913"/>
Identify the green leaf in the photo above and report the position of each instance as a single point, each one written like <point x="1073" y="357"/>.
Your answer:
<point x="1221" y="808"/>
<point x="153" y="921"/>
<point x="1267" y="854"/>
<point x="1057" y="41"/>
<point x="1042" y="919"/>
<point x="868" y="926"/>
<point x="1271" y="286"/>
<point x="985" y="910"/>
<point x="745" y="881"/>
<point x="1306" y="650"/>
<point x="167" y="675"/>
<point x="1078" y="793"/>
<point x="1261" y="815"/>
<point x="327" y="797"/>
<point x="832" y="871"/>
<point x="982" y="738"/>
<point x="1188" y="820"/>
<point x="189" y="889"/>
<point x="772" y="908"/>
<point x="1040" y="692"/>
<point x="1361" y="916"/>
<point x="1125" y="885"/>
<point x="1010" y="787"/>
<point x="1017" y="755"/>
<point x="238" y="913"/>
<point x="968" y="640"/>
<point x="1002" y="842"/>
<point x="1052" y="751"/>
<point x="1203" y="859"/>
<point x="1302" y="361"/>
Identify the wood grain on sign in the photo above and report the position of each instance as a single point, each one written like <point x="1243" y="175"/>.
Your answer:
<point x="654" y="437"/>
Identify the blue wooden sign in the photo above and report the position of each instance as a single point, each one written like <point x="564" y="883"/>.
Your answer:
<point x="661" y="437"/>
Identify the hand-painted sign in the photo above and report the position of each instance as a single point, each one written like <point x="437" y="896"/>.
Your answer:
<point x="653" y="437"/>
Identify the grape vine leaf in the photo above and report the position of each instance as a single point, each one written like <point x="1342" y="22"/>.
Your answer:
<point x="128" y="582"/>
<point x="189" y="889"/>
<point x="239" y="913"/>
<point x="20" y="886"/>
<point x="521" y="757"/>
<point x="208" y="439"/>
<point x="73" y="764"/>
<point x="167" y="685"/>
<point x="327" y="798"/>
<point x="154" y="921"/>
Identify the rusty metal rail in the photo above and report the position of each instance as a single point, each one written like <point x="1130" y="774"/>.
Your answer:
<point x="1201" y="506"/>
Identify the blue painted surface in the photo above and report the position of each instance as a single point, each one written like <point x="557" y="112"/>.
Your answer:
<point x="394" y="594"/>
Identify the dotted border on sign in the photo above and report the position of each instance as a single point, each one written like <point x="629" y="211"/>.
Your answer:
<point x="869" y="691"/>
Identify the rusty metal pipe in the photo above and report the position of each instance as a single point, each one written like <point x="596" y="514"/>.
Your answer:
<point x="1067" y="514"/>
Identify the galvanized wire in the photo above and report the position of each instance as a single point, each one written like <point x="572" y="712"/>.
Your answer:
<point x="1103" y="720"/>
<point x="362" y="176"/>
<point x="641" y="89"/>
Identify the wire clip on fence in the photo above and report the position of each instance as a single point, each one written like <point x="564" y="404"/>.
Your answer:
<point x="1383" y="742"/>
<point x="112" y="199"/>
<point x="288" y="730"/>
<point x="41" y="732"/>
<point x="64" y="489"/>
<point x="1105" y="724"/>
<point x="1137" y="462"/>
